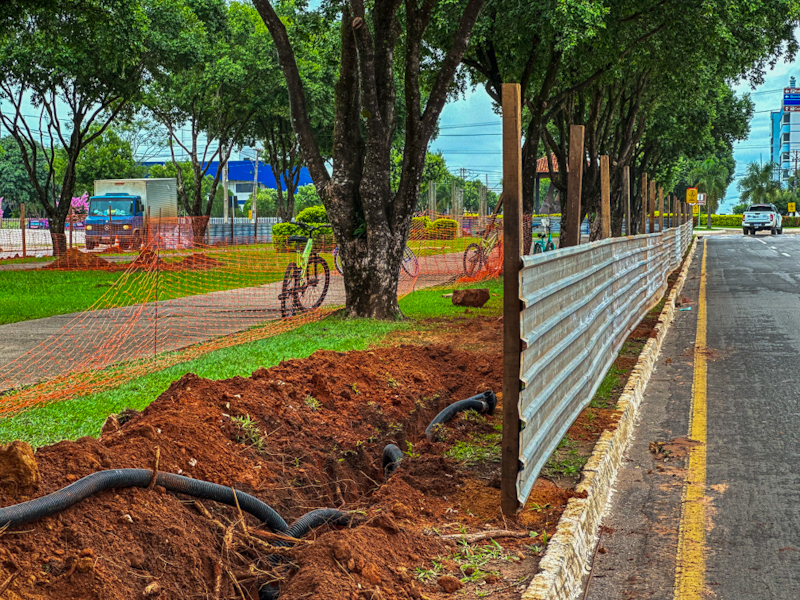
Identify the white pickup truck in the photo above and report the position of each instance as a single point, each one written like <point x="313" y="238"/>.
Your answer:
<point x="762" y="216"/>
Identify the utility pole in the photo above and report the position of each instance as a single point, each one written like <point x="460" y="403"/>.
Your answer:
<point x="224" y="186"/>
<point x="255" y="186"/>
<point x="796" y="159"/>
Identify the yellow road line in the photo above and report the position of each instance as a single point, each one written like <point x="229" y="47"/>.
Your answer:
<point x="690" y="565"/>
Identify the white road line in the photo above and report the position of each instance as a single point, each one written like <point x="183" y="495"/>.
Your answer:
<point x="773" y="247"/>
<point x="762" y="241"/>
<point x="784" y="253"/>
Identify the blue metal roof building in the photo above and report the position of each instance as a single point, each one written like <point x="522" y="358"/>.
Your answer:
<point x="240" y="176"/>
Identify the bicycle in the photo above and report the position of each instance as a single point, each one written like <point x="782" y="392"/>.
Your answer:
<point x="305" y="285"/>
<point x="410" y="263"/>
<point x="540" y="245"/>
<point x="476" y="256"/>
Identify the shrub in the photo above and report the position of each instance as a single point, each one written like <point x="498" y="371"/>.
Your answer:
<point x="419" y="228"/>
<point x="443" y="229"/>
<point x="723" y="220"/>
<point x="313" y="215"/>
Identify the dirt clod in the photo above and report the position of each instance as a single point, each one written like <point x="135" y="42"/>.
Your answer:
<point x="473" y="297"/>
<point x="449" y="584"/>
<point x="18" y="468"/>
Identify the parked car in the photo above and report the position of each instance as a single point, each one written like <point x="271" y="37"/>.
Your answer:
<point x="762" y="216"/>
<point x="38" y="224"/>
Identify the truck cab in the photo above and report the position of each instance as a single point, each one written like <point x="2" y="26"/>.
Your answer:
<point x="115" y="217"/>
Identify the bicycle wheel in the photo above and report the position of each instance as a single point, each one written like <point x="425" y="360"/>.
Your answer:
<point x="410" y="263"/>
<point x="314" y="288"/>
<point x="549" y="246"/>
<point x="538" y="248"/>
<point x="288" y="295"/>
<point x="473" y="259"/>
<point x="337" y="261"/>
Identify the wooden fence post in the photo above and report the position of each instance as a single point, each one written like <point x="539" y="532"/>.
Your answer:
<point x="652" y="210"/>
<point x="71" y="219"/>
<point x="626" y="198"/>
<point x="512" y="344"/>
<point x="660" y="209"/>
<point x="643" y="223"/>
<point x="572" y="235"/>
<point x="605" y="199"/>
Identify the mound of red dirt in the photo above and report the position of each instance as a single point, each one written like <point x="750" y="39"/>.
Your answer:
<point x="75" y="260"/>
<point x="302" y="435"/>
<point x="199" y="261"/>
<point x="147" y="260"/>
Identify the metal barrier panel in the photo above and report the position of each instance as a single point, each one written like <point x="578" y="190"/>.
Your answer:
<point x="579" y="306"/>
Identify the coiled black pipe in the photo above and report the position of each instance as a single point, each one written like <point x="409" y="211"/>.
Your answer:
<point x="316" y="518"/>
<point x="62" y="499"/>
<point x="392" y="455"/>
<point x="483" y="403"/>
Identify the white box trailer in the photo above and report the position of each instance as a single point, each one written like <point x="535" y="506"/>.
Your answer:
<point x="159" y="195"/>
<point x="119" y="209"/>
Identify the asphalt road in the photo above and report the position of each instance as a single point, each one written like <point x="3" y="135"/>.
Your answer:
<point x="751" y="523"/>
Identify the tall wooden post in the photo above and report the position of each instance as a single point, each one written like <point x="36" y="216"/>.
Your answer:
<point x="22" y="227"/>
<point x="626" y="198"/>
<point x="643" y="223"/>
<point x="605" y="199"/>
<point x="669" y="210"/>
<point x="660" y="209"/>
<point x="652" y="209"/>
<point x="512" y="250"/>
<point x="572" y="223"/>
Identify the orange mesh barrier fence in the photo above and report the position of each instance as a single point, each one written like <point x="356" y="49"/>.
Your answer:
<point x="176" y="299"/>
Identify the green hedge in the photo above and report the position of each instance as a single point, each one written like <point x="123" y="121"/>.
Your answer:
<point x="314" y="216"/>
<point x="419" y="228"/>
<point x="442" y="229"/>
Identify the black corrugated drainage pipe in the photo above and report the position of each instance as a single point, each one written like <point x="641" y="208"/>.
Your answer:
<point x="483" y="403"/>
<point x="62" y="499"/>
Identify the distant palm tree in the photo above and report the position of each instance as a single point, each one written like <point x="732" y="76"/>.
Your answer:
<point x="712" y="179"/>
<point x="758" y="187"/>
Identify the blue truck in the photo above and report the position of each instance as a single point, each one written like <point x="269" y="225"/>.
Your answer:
<point x="119" y="210"/>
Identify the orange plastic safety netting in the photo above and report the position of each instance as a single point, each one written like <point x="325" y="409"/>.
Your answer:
<point x="178" y="298"/>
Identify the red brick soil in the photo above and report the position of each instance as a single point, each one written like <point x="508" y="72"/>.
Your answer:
<point x="323" y="423"/>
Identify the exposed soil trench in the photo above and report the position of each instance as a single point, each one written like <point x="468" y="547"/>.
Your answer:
<point x="304" y="434"/>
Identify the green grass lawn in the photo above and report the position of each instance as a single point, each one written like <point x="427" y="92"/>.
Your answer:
<point x="77" y="417"/>
<point x="38" y="293"/>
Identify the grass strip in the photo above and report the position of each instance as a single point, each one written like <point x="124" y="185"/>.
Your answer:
<point x="78" y="417"/>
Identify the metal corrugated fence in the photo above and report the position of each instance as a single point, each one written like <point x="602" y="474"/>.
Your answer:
<point x="579" y="306"/>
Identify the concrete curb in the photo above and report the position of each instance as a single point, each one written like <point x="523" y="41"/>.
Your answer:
<point x="566" y="561"/>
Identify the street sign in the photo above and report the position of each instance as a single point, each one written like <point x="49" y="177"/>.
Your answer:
<point x="691" y="195"/>
<point x="791" y="207"/>
<point x="696" y="210"/>
<point x="701" y="199"/>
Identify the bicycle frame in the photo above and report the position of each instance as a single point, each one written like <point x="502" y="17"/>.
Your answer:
<point x="302" y="263"/>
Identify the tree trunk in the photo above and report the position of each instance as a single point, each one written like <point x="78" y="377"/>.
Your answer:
<point x="199" y="226"/>
<point x="371" y="275"/>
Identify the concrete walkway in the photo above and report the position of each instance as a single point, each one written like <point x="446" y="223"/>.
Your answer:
<point x="43" y="348"/>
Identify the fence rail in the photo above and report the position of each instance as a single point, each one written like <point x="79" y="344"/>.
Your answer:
<point x="579" y="306"/>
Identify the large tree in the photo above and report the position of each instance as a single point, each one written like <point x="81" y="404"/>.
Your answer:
<point x="315" y="46"/>
<point x="623" y="68"/>
<point x="77" y="66"/>
<point x="381" y="43"/>
<point x="206" y="101"/>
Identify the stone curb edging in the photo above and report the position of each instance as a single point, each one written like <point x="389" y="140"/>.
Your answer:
<point x="565" y="564"/>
